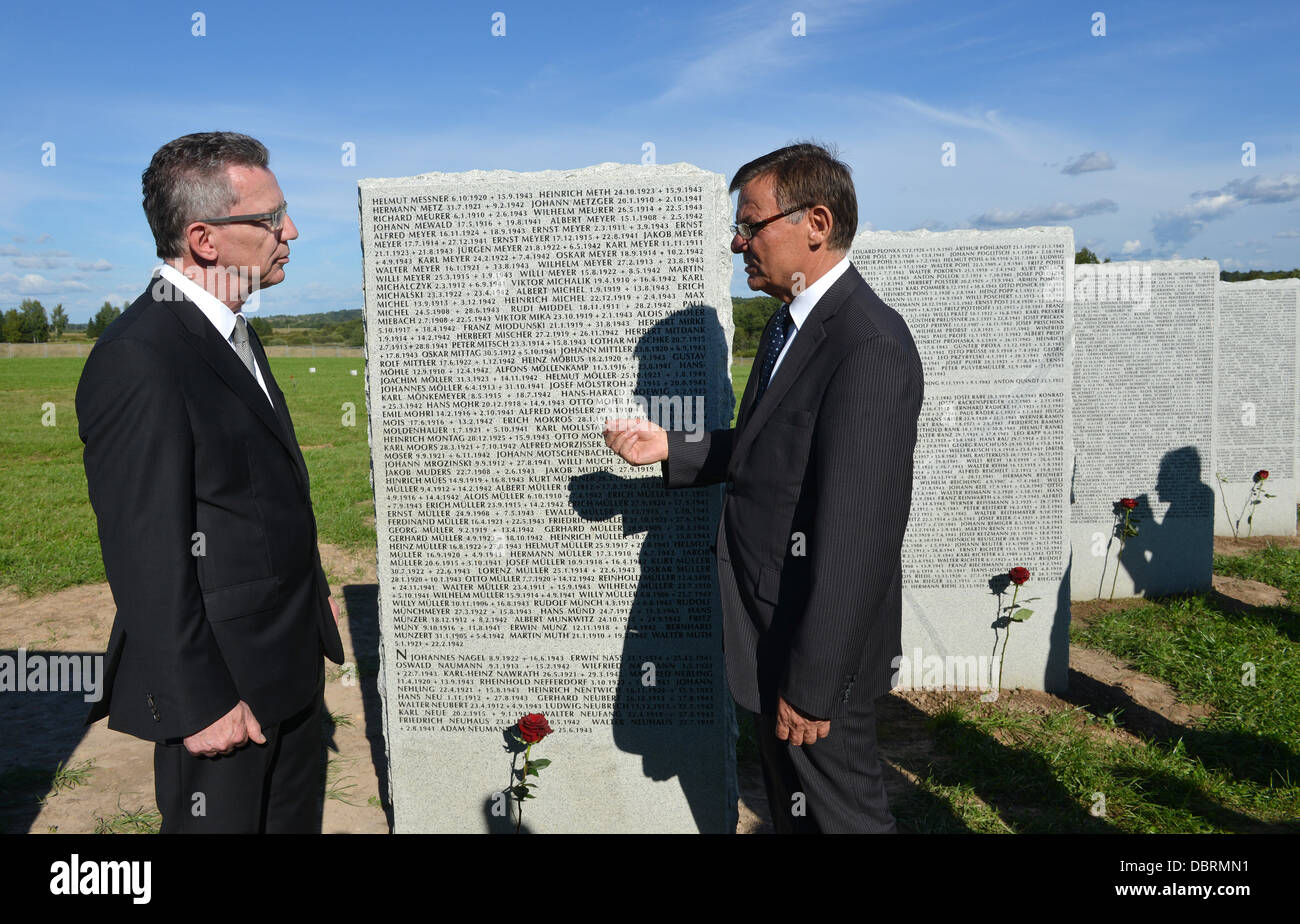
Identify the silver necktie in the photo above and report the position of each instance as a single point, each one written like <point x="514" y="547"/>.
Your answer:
<point x="240" y="338"/>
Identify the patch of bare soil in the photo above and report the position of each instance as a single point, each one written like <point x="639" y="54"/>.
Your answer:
<point x="40" y="730"/>
<point x="1237" y="593"/>
<point x="1227" y="545"/>
<point x="1149" y="706"/>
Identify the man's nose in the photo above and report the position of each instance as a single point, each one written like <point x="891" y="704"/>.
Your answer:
<point x="289" y="231"/>
<point x="738" y="243"/>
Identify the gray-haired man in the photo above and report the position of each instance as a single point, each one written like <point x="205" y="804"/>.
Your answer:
<point x="205" y="518"/>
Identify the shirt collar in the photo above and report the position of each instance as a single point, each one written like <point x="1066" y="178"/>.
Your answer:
<point x="222" y="318"/>
<point x="806" y="300"/>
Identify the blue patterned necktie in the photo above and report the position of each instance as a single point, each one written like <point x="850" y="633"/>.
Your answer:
<point x="780" y="328"/>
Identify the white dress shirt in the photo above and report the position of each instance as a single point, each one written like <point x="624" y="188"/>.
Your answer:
<point x="222" y="318"/>
<point x="804" y="303"/>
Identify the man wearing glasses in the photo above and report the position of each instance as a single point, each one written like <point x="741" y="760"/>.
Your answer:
<point x="204" y="512"/>
<point x="818" y="470"/>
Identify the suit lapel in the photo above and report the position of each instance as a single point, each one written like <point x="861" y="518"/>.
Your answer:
<point x="806" y="344"/>
<point x="216" y="352"/>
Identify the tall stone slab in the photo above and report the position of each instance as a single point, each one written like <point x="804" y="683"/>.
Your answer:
<point x="1143" y="409"/>
<point x="989" y="313"/>
<point x="522" y="566"/>
<point x="1255" y="425"/>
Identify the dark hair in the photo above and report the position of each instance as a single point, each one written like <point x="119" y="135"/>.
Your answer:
<point x="808" y="172"/>
<point x="186" y="180"/>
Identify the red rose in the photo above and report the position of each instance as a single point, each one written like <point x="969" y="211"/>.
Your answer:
<point x="1018" y="575"/>
<point x="1261" y="474"/>
<point x="1128" y="502"/>
<point x="533" y="727"/>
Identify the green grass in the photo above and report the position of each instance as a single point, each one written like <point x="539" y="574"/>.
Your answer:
<point x="1238" y="770"/>
<point x="48" y="527"/>
<point x="140" y="821"/>
<point x="1244" y="664"/>
<point x="998" y="771"/>
<point x="335" y="785"/>
<point x="340" y="467"/>
<point x="1273" y="565"/>
<point x="740" y="378"/>
<point x="71" y="777"/>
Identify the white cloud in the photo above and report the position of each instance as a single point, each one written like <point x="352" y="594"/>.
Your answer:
<point x="1041" y="214"/>
<point x="1131" y="247"/>
<point x="1088" y="163"/>
<point x="1287" y="234"/>
<point x="1265" y="189"/>
<point x="99" y="266"/>
<point x="38" y="261"/>
<point x="36" y="284"/>
<point x="1180" y="225"/>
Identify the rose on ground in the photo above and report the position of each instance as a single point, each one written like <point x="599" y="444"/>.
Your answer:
<point x="533" y="727"/>
<point x="1018" y="575"/>
<point x="1128" y="502"/>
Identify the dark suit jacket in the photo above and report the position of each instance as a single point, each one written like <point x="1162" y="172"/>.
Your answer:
<point x="823" y="467"/>
<point x="179" y="439"/>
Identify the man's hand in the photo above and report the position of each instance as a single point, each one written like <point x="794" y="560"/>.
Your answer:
<point x="334" y="607"/>
<point x="795" y="729"/>
<point x="639" y="442"/>
<point x="234" y="729"/>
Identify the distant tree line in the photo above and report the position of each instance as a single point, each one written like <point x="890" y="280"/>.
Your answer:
<point x="1087" y="256"/>
<point x="750" y="316"/>
<point x="289" y="330"/>
<point x="320" y="319"/>
<point x="28" y="323"/>
<point x="1246" y="275"/>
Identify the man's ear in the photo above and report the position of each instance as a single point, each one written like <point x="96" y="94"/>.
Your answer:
<point x="202" y="246"/>
<point x="820" y="224"/>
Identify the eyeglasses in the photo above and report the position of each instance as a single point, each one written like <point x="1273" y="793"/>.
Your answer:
<point x="276" y="218"/>
<point x="747" y="229"/>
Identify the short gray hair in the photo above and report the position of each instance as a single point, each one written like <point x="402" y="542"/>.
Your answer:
<point x="186" y="181"/>
<point x="808" y="172"/>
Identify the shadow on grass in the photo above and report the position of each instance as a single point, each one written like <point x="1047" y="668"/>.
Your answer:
<point x="1260" y="759"/>
<point x="1019" y="786"/>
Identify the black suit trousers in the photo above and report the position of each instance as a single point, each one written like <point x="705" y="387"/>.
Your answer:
<point x="272" y="788"/>
<point x="835" y="786"/>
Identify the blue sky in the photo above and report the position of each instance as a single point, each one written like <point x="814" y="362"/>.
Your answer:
<point x="1133" y="138"/>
